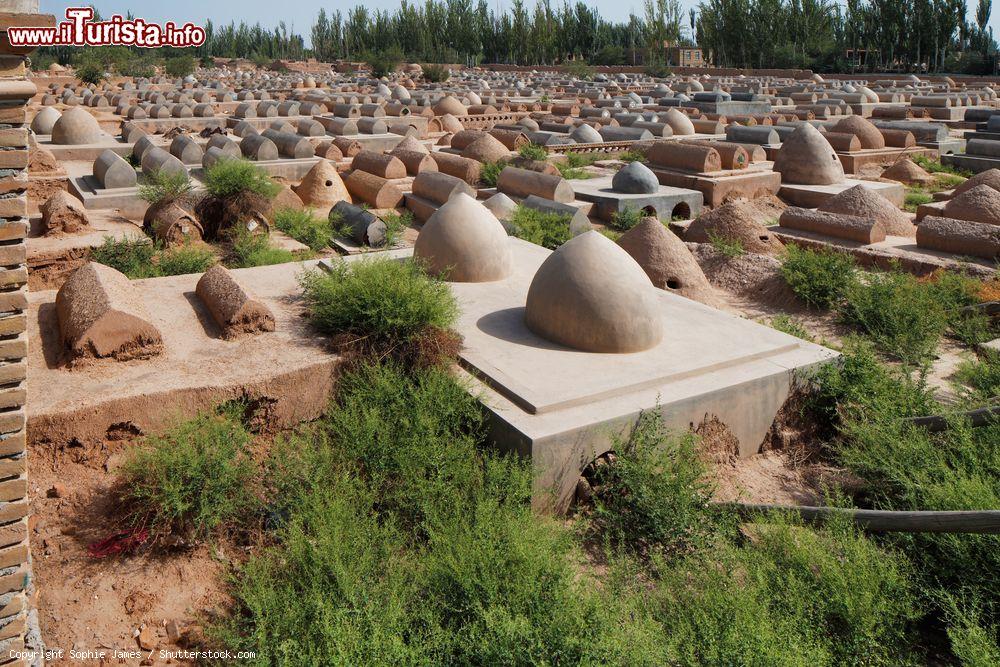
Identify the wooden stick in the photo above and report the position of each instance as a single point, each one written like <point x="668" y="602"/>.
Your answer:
<point x="884" y="521"/>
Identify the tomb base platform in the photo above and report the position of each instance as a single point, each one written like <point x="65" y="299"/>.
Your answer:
<point x="666" y="204"/>
<point x="719" y="187"/>
<point x="813" y="196"/>
<point x="974" y="163"/>
<point x="562" y="408"/>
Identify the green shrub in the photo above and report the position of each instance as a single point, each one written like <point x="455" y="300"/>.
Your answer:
<point x="730" y="248"/>
<point x="192" y="479"/>
<point x="138" y="68"/>
<point x="304" y="226"/>
<point x="90" y="72"/>
<point x="819" y="277"/>
<point x="858" y="386"/>
<point x="901" y="315"/>
<point x="383" y="63"/>
<point x="935" y="167"/>
<point x="956" y="292"/>
<point x="180" y="66"/>
<point x="533" y="152"/>
<point x="395" y="226"/>
<point x="791" y="596"/>
<point x="131" y="256"/>
<point x="549" y="230"/>
<point x="571" y="167"/>
<point x="165" y="187"/>
<point x="626" y="219"/>
<point x="654" y="498"/>
<point x="790" y="326"/>
<point x="231" y="178"/>
<point x="657" y="70"/>
<point x="249" y="250"/>
<point x="490" y="172"/>
<point x="632" y="156"/>
<point x="435" y="73"/>
<point x="179" y="260"/>
<point x="389" y="305"/>
<point x="914" y="198"/>
<point x="974" y="643"/>
<point x="579" y="69"/>
<point x="981" y="376"/>
<point x="406" y="544"/>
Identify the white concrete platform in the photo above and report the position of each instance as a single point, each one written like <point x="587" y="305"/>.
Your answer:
<point x="562" y="408"/>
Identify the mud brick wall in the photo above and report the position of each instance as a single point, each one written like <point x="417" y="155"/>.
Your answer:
<point x="15" y="560"/>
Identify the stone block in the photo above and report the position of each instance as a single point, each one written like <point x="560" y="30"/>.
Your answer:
<point x="232" y="307"/>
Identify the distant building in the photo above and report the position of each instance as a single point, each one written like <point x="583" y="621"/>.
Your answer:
<point x="685" y="56"/>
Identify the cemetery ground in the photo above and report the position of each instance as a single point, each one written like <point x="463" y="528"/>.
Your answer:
<point x="387" y="532"/>
<point x="339" y="370"/>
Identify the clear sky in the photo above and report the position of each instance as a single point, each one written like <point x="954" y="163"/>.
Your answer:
<point x="300" y="14"/>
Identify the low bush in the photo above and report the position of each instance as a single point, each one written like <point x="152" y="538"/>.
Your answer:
<point x="249" y="250"/>
<point x="819" y="277"/>
<point x="180" y="66"/>
<point x="435" y="73"/>
<point x="571" y="167"/>
<point x="725" y="246"/>
<point x="790" y="326"/>
<point x="549" y="230"/>
<point x="914" y="198"/>
<point x="936" y="167"/>
<point x="165" y="187"/>
<point x="901" y="315"/>
<point x="383" y="307"/>
<point x="383" y="63"/>
<point x="90" y="72"/>
<point x="981" y="376"/>
<point x="533" y="152"/>
<point x="232" y="178"/>
<point x="304" y="226"/>
<point x="579" y="69"/>
<point x="138" y="258"/>
<point x="791" y="596"/>
<point x="179" y="260"/>
<point x="490" y="172"/>
<point x="131" y="256"/>
<point x="626" y="219"/>
<point x="654" y="498"/>
<point x="191" y="480"/>
<point x="395" y="226"/>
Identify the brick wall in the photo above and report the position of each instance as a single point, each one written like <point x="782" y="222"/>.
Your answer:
<point x="15" y="560"/>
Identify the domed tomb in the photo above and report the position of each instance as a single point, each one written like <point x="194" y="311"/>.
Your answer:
<point x="44" y="120"/>
<point x="667" y="261"/>
<point x="806" y="158"/>
<point x="867" y="134"/>
<point x="322" y="186"/>
<point x="635" y="178"/>
<point x="76" y="127"/>
<point x="449" y="105"/>
<point x="464" y="242"/>
<point x="573" y="302"/>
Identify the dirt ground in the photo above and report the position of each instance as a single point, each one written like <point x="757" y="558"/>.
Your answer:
<point x="89" y="604"/>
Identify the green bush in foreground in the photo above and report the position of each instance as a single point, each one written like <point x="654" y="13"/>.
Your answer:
<point x="165" y="187"/>
<point x="185" y="259"/>
<point x="192" y="479"/>
<point x="902" y="316"/>
<point x="654" y="498"/>
<point x="820" y="278"/>
<point x="981" y="376"/>
<point x="626" y="219"/>
<point x="304" y="226"/>
<point x="490" y="172"/>
<point x="387" y="304"/>
<point x="549" y="230"/>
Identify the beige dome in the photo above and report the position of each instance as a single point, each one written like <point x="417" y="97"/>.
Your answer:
<point x="410" y="144"/>
<point x="322" y="187"/>
<point x="572" y="302"/>
<point x="679" y="122"/>
<point x="867" y="134"/>
<point x="75" y="127"/>
<point x="486" y="148"/>
<point x="861" y="202"/>
<point x="464" y="242"/>
<point x="990" y="177"/>
<point x="45" y="120"/>
<point x="978" y="204"/>
<point x="449" y="104"/>
<point x="451" y="124"/>
<point x="806" y="158"/>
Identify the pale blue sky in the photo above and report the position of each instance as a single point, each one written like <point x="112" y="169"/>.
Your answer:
<point x="300" y="15"/>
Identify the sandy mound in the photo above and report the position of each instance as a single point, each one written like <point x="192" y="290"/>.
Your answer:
<point x="907" y="171"/>
<point x="736" y="221"/>
<point x="979" y="204"/>
<point x="861" y="202"/>
<point x="990" y="177"/>
<point x="667" y="261"/>
<point x="756" y="278"/>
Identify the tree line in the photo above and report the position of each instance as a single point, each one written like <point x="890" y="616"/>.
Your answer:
<point x="824" y="35"/>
